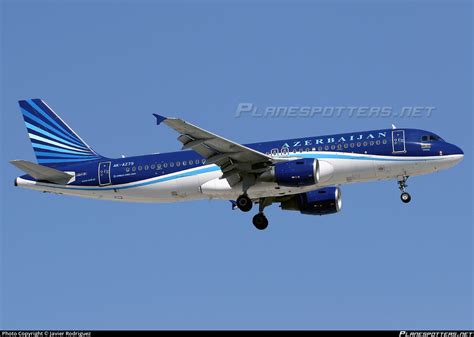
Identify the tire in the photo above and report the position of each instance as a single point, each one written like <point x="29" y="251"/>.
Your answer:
<point x="406" y="198"/>
<point x="260" y="221"/>
<point x="244" y="203"/>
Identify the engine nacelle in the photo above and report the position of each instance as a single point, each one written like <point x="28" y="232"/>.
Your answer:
<point x="324" y="201"/>
<point x="294" y="173"/>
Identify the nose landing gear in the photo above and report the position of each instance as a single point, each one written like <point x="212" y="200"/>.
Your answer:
<point x="406" y="197"/>
<point x="402" y="185"/>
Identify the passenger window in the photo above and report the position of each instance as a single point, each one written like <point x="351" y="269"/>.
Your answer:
<point x="158" y="166"/>
<point x="359" y="144"/>
<point x="165" y="165"/>
<point x="203" y="161"/>
<point x="346" y="145"/>
<point x="127" y="169"/>
<point x="377" y="142"/>
<point x="134" y="169"/>
<point x="146" y="167"/>
<point x="185" y="163"/>
<point x="372" y="143"/>
<point x="178" y="163"/>
<point x="320" y="148"/>
<point x="140" y="168"/>
<point x="191" y="162"/>
<point x="352" y="145"/>
<point x="333" y="147"/>
<point x="384" y="141"/>
<point x="152" y="166"/>
<point x="365" y="143"/>
<point x="171" y="164"/>
<point x="339" y="146"/>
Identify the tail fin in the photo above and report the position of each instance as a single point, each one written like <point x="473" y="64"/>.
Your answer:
<point x="53" y="141"/>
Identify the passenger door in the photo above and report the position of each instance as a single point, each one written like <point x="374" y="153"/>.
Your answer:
<point x="398" y="141"/>
<point x="104" y="173"/>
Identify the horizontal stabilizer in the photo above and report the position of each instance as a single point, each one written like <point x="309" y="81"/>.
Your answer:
<point x="44" y="173"/>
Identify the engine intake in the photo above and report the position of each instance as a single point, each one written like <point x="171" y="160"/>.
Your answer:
<point x="319" y="202"/>
<point x="295" y="173"/>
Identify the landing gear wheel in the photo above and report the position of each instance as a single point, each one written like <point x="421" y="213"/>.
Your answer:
<point x="402" y="185"/>
<point x="405" y="197"/>
<point x="260" y="221"/>
<point x="244" y="203"/>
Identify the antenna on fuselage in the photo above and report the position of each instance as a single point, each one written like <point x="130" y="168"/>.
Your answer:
<point x="393" y="127"/>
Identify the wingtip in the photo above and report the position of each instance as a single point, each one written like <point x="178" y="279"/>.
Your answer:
<point x="15" y="161"/>
<point x="159" y="119"/>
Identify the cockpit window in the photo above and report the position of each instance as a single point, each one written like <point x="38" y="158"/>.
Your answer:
<point x="430" y="138"/>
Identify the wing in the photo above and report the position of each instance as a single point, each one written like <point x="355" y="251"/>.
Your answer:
<point x="236" y="161"/>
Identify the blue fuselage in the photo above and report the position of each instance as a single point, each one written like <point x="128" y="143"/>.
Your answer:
<point x="394" y="143"/>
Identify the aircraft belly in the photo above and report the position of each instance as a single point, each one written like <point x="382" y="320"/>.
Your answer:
<point x="351" y="170"/>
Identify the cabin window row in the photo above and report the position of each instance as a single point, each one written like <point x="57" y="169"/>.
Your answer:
<point x="330" y="147"/>
<point x="164" y="165"/>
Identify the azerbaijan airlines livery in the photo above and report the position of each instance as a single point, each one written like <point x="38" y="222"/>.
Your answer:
<point x="302" y="174"/>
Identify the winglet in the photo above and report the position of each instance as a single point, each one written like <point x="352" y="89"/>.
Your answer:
<point x="159" y="119"/>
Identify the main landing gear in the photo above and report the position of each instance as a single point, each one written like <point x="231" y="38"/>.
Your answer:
<point x="402" y="185"/>
<point x="244" y="203"/>
<point x="260" y="221"/>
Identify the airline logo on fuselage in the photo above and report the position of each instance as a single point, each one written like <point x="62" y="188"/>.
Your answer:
<point x="336" y="139"/>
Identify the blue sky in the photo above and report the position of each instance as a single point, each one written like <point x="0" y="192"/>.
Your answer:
<point x="105" y="67"/>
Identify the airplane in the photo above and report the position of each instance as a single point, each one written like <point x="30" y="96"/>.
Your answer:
<point x="301" y="174"/>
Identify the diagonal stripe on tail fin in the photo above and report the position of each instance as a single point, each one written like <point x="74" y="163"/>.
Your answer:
<point x="53" y="141"/>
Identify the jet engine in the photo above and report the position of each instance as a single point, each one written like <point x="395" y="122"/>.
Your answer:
<point x="323" y="201"/>
<point x="294" y="173"/>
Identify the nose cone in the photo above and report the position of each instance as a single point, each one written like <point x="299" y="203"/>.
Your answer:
<point x="456" y="150"/>
<point x="455" y="153"/>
